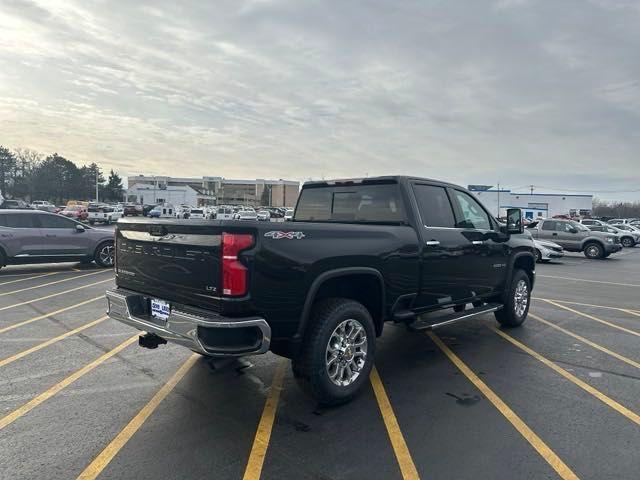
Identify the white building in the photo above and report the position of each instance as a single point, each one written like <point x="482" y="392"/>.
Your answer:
<point x="533" y="205"/>
<point x="173" y="194"/>
<point x="154" y="189"/>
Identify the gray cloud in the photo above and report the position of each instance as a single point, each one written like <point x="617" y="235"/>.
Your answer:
<point x="472" y="92"/>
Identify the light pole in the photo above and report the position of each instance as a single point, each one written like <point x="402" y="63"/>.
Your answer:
<point x="97" y="179"/>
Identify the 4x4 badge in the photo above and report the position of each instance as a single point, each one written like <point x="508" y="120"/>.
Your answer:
<point x="277" y="235"/>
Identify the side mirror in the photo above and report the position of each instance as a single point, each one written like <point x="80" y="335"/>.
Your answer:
<point x="80" y="228"/>
<point x="573" y="230"/>
<point x="514" y="221"/>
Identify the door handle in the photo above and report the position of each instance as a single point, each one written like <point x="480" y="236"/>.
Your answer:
<point x="477" y="242"/>
<point x="50" y="236"/>
<point x="432" y="243"/>
<point x="554" y="234"/>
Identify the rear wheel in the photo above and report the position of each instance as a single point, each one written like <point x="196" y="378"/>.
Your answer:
<point x="104" y="255"/>
<point x="516" y="308"/>
<point x="593" y="250"/>
<point x="337" y="353"/>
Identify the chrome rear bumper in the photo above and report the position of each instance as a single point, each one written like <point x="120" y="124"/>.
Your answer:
<point x="204" y="332"/>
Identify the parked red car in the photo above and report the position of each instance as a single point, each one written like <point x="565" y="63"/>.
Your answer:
<point x="77" y="212"/>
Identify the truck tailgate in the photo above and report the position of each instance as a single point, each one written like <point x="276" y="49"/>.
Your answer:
<point x="170" y="260"/>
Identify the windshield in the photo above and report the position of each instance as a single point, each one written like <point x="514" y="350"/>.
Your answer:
<point x="579" y="226"/>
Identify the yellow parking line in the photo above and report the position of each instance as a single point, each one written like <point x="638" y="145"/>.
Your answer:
<point x="52" y="283"/>
<point x="595" y="319"/>
<point x="587" y="342"/>
<point x="110" y="451"/>
<point x="589" y="281"/>
<point x="29" y="278"/>
<point x="263" y="433"/>
<point x="54" y="295"/>
<point x="50" y="314"/>
<point x="51" y="341"/>
<point x="403" y="456"/>
<point x="34" y="402"/>
<point x="529" y="435"/>
<point x="588" y="305"/>
<point x="621" y="409"/>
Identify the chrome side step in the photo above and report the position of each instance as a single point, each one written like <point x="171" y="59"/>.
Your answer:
<point x="420" y="325"/>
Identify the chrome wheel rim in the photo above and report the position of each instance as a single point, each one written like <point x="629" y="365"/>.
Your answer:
<point x="346" y="352"/>
<point x="106" y="255"/>
<point x="521" y="298"/>
<point x="593" y="251"/>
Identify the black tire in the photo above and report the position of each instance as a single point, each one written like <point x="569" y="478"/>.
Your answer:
<point x="593" y="250"/>
<point x="3" y="259"/>
<point x="91" y="222"/>
<point x="459" y="308"/>
<point x="101" y="257"/>
<point x="511" y="314"/>
<point x="310" y="367"/>
<point x="627" y="242"/>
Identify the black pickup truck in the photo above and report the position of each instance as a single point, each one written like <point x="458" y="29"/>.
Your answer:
<point x="318" y="289"/>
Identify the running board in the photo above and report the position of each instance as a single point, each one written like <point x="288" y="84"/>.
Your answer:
<point x="419" y="325"/>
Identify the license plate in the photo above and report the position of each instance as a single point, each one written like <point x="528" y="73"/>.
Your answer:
<point x="160" y="309"/>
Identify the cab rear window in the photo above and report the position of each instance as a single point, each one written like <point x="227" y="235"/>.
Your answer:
<point x="377" y="203"/>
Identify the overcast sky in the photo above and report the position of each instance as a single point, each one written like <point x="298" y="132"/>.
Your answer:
<point x="522" y="92"/>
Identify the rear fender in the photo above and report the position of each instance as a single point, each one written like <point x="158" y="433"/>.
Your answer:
<point x="332" y="274"/>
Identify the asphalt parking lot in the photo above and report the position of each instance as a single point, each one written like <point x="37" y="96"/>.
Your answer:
<point x="558" y="398"/>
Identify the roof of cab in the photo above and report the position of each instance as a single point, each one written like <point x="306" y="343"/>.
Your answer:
<point x="370" y="180"/>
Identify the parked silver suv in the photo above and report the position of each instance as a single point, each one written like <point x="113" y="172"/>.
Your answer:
<point x="575" y="237"/>
<point x="33" y="236"/>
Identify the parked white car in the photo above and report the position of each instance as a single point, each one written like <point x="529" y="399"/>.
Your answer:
<point x="197" y="213"/>
<point x="288" y="215"/>
<point x="182" y="211"/>
<point x="591" y="221"/>
<point x="43" y="205"/>
<point x="263" y="215"/>
<point x="547" y="251"/>
<point x="224" y="213"/>
<point x="248" y="214"/>
<point x="104" y="214"/>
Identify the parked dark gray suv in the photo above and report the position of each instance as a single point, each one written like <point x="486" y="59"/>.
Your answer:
<point x="33" y="236"/>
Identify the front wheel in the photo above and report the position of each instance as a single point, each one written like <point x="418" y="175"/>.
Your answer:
<point x="516" y="308"/>
<point x="337" y="353"/>
<point x="593" y="250"/>
<point x="104" y="256"/>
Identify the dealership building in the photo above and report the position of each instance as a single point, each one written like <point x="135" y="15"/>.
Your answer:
<point x="533" y="205"/>
<point x="154" y="189"/>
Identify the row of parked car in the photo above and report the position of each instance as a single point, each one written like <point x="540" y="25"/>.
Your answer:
<point x="595" y="238"/>
<point x="213" y="212"/>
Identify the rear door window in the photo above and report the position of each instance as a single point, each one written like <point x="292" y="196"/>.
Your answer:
<point x="549" y="225"/>
<point x="434" y="205"/>
<point x="56" y="221"/>
<point x="21" y="220"/>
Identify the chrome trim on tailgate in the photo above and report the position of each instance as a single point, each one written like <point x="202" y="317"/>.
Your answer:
<point x="182" y="327"/>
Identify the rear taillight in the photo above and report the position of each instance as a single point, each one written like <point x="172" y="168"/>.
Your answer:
<point x="234" y="273"/>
